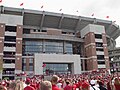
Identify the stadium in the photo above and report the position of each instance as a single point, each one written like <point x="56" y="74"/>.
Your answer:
<point x="40" y="42"/>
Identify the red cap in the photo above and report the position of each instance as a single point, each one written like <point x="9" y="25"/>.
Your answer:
<point x="28" y="80"/>
<point x="85" y="85"/>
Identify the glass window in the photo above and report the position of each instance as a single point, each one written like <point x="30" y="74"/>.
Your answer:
<point x="53" y="47"/>
<point x="24" y="68"/>
<point x="30" y="60"/>
<point x="57" y="68"/>
<point x="24" y="60"/>
<point x="68" y="48"/>
<point x="32" y="47"/>
<point x="30" y="68"/>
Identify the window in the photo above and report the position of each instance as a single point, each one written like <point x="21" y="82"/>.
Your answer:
<point x="68" y="48"/>
<point x="31" y="60"/>
<point x="99" y="49"/>
<point x="100" y="57"/>
<point x="31" y="47"/>
<point x="98" y="36"/>
<point x="101" y="62"/>
<point x="24" y="68"/>
<point x="30" y="68"/>
<point x="99" y="44"/>
<point x="44" y="30"/>
<point x="53" y="47"/>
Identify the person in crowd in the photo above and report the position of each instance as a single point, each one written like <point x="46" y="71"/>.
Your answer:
<point x="68" y="85"/>
<point x="46" y="85"/>
<point x="101" y="85"/>
<point x="54" y="81"/>
<point x="92" y="85"/>
<point x="117" y="84"/>
<point x="28" y="87"/>
<point x="85" y="86"/>
<point x="19" y="85"/>
<point x="12" y="85"/>
<point x="2" y="87"/>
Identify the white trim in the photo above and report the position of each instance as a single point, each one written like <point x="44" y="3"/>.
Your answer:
<point x="1" y="37"/>
<point x="18" y="54"/>
<point x="106" y="57"/>
<point x="89" y="44"/>
<point x="18" y="38"/>
<point x="1" y="53"/>
<point x="104" y="44"/>
<point x="92" y="57"/>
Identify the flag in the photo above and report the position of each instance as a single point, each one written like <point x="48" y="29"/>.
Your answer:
<point x="60" y="10"/>
<point x="44" y="65"/>
<point x="107" y="16"/>
<point x="92" y="14"/>
<point x="42" y="6"/>
<point x="0" y="1"/>
<point x="21" y="4"/>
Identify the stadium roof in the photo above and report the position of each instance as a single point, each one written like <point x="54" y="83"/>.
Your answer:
<point x="43" y="19"/>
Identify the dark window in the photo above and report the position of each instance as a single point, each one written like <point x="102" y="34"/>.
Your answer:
<point x="98" y="44"/>
<point x="98" y="36"/>
<point x="101" y="57"/>
<point x="99" y="49"/>
<point x="64" y="32"/>
<point x="26" y="31"/>
<point x="10" y="28"/>
<point x="101" y="62"/>
<point x="34" y="30"/>
<point x="44" y="30"/>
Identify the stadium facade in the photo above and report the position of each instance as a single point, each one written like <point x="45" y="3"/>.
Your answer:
<point x="39" y="42"/>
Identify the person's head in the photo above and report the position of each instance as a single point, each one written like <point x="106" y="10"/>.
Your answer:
<point x="2" y="87"/>
<point x="28" y="81"/>
<point x="19" y="85"/>
<point x="54" y="79"/>
<point x="46" y="85"/>
<point x="117" y="81"/>
<point x="85" y="86"/>
<point x="92" y="82"/>
<point x="12" y="85"/>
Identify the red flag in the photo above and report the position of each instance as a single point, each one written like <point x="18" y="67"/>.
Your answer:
<point x="60" y="10"/>
<point x="107" y="16"/>
<point x="44" y="65"/>
<point x="0" y="1"/>
<point x="42" y="6"/>
<point x="21" y="4"/>
<point x="92" y="14"/>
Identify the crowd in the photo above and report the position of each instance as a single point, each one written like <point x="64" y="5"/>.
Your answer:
<point x="95" y="80"/>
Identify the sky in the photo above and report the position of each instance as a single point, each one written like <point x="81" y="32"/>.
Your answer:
<point x="100" y="8"/>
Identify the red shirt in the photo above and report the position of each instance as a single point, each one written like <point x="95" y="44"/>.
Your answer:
<point x="54" y="87"/>
<point x="117" y="87"/>
<point x="74" y="87"/>
<point x="68" y="87"/>
<point x="29" y="88"/>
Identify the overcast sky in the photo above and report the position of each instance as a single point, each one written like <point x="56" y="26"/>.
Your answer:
<point x="100" y="8"/>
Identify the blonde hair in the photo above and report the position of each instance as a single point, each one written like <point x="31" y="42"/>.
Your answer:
<point x="46" y="85"/>
<point x="117" y="81"/>
<point x="19" y="85"/>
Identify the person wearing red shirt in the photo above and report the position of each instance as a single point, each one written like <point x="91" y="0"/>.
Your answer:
<point x="28" y="87"/>
<point x="68" y="86"/>
<point x="117" y="84"/>
<point x="54" y="81"/>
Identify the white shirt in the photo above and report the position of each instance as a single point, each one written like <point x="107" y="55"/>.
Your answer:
<point x="96" y="88"/>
